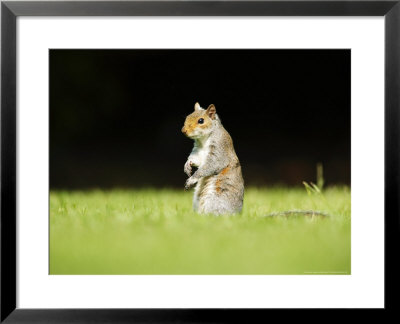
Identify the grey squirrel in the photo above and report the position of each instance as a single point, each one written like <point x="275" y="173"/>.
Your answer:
<point x="218" y="179"/>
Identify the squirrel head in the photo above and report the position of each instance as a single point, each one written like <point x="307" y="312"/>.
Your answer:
<point x="199" y="123"/>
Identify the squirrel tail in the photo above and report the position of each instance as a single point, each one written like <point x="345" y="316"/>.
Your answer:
<point x="307" y="213"/>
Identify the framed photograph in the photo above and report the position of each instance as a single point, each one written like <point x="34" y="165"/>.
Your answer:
<point x="194" y="161"/>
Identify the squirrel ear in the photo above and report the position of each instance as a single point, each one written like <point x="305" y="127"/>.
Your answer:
<point x="211" y="111"/>
<point x="197" y="106"/>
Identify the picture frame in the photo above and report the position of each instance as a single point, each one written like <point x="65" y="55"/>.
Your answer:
<point x="10" y="10"/>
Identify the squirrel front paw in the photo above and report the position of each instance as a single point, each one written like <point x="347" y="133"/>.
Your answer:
<point x="188" y="168"/>
<point x="190" y="183"/>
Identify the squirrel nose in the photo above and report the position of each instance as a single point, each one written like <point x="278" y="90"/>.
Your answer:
<point x="183" y="130"/>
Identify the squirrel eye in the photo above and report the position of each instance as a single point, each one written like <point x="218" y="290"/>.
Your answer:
<point x="201" y="121"/>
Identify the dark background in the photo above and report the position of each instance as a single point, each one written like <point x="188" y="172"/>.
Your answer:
<point x="116" y="115"/>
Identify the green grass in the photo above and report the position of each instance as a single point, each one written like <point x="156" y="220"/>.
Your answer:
<point x="153" y="231"/>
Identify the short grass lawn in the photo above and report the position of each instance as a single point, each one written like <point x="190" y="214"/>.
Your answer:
<point x="155" y="231"/>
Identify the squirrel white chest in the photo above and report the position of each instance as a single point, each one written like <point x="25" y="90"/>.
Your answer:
<point x="200" y="153"/>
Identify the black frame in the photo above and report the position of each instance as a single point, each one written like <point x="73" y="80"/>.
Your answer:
<point x="10" y="10"/>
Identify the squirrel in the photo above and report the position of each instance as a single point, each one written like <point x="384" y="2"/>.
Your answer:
<point x="218" y="181"/>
